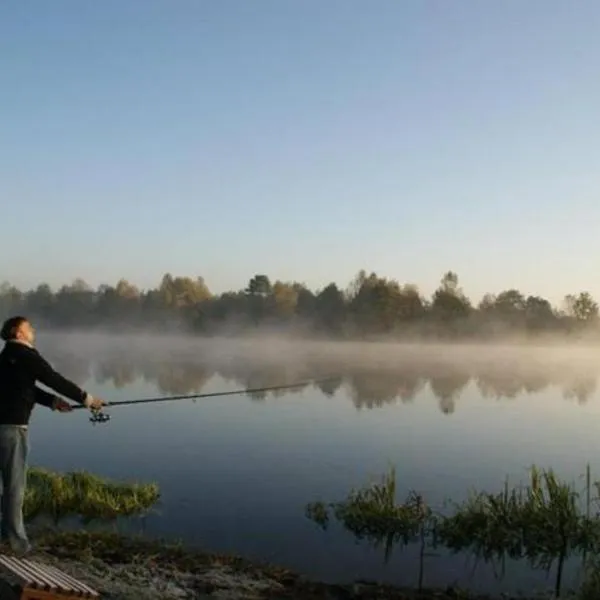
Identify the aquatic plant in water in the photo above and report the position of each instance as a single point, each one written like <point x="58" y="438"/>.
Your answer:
<point x="543" y="522"/>
<point x="84" y="495"/>
<point x="373" y="514"/>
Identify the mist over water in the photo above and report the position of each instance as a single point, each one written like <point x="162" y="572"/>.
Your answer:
<point x="238" y="471"/>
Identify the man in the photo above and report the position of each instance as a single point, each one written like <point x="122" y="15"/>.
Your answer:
<point x="21" y="366"/>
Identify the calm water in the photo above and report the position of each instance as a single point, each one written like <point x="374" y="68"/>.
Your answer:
<point x="236" y="472"/>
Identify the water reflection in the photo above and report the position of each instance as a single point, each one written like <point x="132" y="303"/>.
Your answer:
<point x="224" y="465"/>
<point x="368" y="386"/>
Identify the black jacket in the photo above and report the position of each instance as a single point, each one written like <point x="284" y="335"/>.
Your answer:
<point x="20" y="368"/>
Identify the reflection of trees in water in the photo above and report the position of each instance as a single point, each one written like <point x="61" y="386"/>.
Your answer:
<point x="496" y="386"/>
<point x="511" y="381"/>
<point x="177" y="378"/>
<point x="330" y="387"/>
<point x="534" y="383"/>
<point x="447" y="385"/>
<point x="376" y="388"/>
<point x="119" y="370"/>
<point x="410" y="386"/>
<point x="257" y="378"/>
<point x="581" y="389"/>
<point x="368" y="387"/>
<point x="269" y="375"/>
<point x="170" y="377"/>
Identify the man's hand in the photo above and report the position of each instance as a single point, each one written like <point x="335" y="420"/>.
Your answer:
<point x="62" y="405"/>
<point x="94" y="404"/>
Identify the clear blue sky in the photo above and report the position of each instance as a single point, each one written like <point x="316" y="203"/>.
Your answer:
<point x="303" y="139"/>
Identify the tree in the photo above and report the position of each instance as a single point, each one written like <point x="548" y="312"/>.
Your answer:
<point x="40" y="302"/>
<point x="330" y="308"/>
<point x="259" y="285"/>
<point x="510" y="302"/>
<point x="372" y="305"/>
<point x="355" y="285"/>
<point x="449" y="284"/>
<point x="449" y="302"/>
<point x="12" y="299"/>
<point x="539" y="313"/>
<point x="75" y="303"/>
<point x="306" y="302"/>
<point x="126" y="290"/>
<point x="411" y="303"/>
<point x="582" y="307"/>
<point x="285" y="300"/>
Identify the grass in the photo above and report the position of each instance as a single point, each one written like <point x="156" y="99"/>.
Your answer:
<point x="86" y="496"/>
<point x="544" y="521"/>
<point x="371" y="513"/>
<point x="590" y="586"/>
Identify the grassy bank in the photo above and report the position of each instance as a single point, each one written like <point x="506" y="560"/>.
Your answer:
<point x="58" y="496"/>
<point x="544" y="521"/>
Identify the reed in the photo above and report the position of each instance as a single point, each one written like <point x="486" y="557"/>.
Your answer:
<point x="543" y="521"/>
<point x="80" y="494"/>
<point x="373" y="514"/>
<point x="590" y="586"/>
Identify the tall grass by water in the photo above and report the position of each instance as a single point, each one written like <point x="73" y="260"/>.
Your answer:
<point x="543" y="521"/>
<point x="60" y="496"/>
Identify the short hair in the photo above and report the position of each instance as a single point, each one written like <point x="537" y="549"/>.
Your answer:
<point x="11" y="326"/>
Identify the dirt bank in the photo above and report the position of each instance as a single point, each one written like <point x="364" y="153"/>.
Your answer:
<point x="138" y="569"/>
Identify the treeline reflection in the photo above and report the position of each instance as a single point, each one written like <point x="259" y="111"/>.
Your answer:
<point x="367" y="386"/>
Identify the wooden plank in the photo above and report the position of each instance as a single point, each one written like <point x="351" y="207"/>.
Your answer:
<point x="30" y="577"/>
<point x="46" y="581"/>
<point x="73" y="587"/>
<point x="39" y="579"/>
<point x="46" y="578"/>
<point x="75" y="584"/>
<point x="16" y="569"/>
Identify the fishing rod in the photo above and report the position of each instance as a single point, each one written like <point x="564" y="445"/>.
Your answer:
<point x="98" y="416"/>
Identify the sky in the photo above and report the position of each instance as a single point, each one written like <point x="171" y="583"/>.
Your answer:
<point x="301" y="139"/>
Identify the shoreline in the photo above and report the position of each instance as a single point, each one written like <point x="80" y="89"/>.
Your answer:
<point x="542" y="520"/>
<point x="124" y="567"/>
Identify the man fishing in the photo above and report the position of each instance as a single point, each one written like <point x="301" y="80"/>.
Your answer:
<point x="21" y="366"/>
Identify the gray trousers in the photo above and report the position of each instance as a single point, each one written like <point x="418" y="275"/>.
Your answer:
<point x="14" y="448"/>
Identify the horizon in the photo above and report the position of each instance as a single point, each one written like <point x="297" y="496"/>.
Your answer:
<point x="305" y="142"/>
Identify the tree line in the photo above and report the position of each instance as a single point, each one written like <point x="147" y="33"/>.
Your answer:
<point x="371" y="306"/>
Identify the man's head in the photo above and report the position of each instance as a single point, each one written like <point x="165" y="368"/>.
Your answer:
<point x="18" y="329"/>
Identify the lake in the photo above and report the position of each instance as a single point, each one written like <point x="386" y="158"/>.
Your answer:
<point x="236" y="472"/>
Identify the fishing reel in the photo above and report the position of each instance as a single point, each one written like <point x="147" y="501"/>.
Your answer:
<point x="99" y="417"/>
